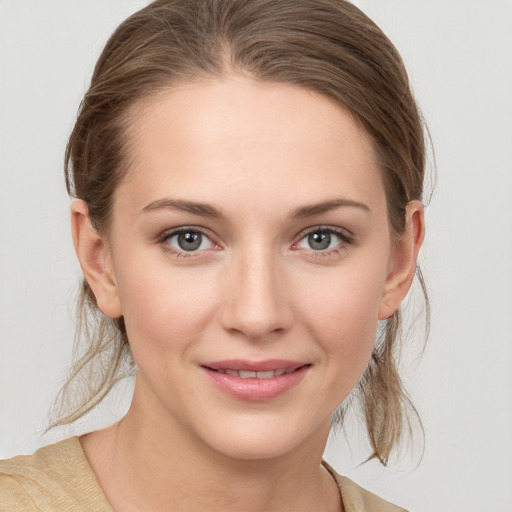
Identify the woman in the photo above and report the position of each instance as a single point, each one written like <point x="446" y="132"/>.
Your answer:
<point x="247" y="179"/>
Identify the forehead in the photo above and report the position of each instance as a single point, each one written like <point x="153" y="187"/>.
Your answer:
<point x="217" y="139"/>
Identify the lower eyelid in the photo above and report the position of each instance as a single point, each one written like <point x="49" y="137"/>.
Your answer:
<point x="344" y="239"/>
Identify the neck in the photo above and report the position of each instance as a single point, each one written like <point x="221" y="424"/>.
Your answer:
<point x="144" y="468"/>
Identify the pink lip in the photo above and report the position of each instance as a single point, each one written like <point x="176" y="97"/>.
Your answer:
<point x="254" y="366"/>
<point x="252" y="388"/>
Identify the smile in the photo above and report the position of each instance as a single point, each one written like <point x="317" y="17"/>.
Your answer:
<point x="256" y="381"/>
<point x="246" y="374"/>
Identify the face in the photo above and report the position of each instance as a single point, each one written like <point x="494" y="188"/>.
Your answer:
<point x="250" y="255"/>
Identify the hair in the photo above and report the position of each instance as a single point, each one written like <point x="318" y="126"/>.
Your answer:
<point x="326" y="46"/>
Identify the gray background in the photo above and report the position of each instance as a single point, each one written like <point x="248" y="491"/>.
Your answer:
<point x="459" y="55"/>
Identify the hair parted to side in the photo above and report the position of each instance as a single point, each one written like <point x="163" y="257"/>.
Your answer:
<point x="327" y="46"/>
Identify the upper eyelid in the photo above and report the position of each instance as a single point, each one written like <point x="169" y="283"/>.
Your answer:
<point x="181" y="229"/>
<point x="342" y="232"/>
<point x="346" y="233"/>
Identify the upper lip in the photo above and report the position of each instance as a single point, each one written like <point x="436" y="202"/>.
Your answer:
<point x="254" y="366"/>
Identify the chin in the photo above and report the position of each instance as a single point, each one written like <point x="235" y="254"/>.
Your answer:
<point x="262" y="447"/>
<point x="265" y="438"/>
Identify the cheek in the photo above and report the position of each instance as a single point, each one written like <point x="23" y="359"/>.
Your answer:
<point x="343" y="319"/>
<point x="346" y="335"/>
<point x="346" y="326"/>
<point x="164" y="310"/>
<point x="346" y="300"/>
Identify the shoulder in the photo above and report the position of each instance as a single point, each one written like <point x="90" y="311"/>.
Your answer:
<point x="55" y="478"/>
<point x="14" y="495"/>
<point x="357" y="499"/>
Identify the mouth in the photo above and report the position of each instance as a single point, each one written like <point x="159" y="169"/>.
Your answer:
<point x="247" y="374"/>
<point x="258" y="381"/>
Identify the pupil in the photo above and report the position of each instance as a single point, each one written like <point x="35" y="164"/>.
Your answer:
<point x="189" y="241"/>
<point x="319" y="240"/>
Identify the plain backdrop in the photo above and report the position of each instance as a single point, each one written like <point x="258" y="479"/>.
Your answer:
<point x="459" y="54"/>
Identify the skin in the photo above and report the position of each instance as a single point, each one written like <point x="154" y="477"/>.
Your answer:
<point x="260" y="155"/>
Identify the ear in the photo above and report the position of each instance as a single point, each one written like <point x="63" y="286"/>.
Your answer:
<point x="402" y="266"/>
<point x="95" y="259"/>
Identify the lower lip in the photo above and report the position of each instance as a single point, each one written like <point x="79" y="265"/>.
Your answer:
<point x="256" y="389"/>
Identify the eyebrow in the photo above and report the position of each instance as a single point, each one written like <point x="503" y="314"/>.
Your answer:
<point x="327" y="206"/>
<point x="202" y="209"/>
<point x="207" y="210"/>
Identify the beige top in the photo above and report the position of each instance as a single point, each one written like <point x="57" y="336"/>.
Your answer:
<point x="58" y="478"/>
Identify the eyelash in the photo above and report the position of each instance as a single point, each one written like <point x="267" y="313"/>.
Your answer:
<point x="164" y="238"/>
<point x="344" y="237"/>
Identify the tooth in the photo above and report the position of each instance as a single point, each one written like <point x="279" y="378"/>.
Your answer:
<point x="265" y="375"/>
<point x="234" y="373"/>
<point x="291" y="370"/>
<point x="247" y="375"/>
<point x="278" y="372"/>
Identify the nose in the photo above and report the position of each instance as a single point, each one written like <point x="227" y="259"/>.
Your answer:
<point x="257" y="304"/>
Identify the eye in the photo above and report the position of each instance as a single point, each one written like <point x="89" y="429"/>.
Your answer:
<point x="188" y="240"/>
<point x="323" y="239"/>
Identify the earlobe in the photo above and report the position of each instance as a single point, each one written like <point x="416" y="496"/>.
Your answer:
<point x="403" y="261"/>
<point x="95" y="259"/>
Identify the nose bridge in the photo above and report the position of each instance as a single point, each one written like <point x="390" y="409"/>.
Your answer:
<point x="256" y="304"/>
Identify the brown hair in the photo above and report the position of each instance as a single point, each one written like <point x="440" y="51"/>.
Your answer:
<point x="328" y="46"/>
